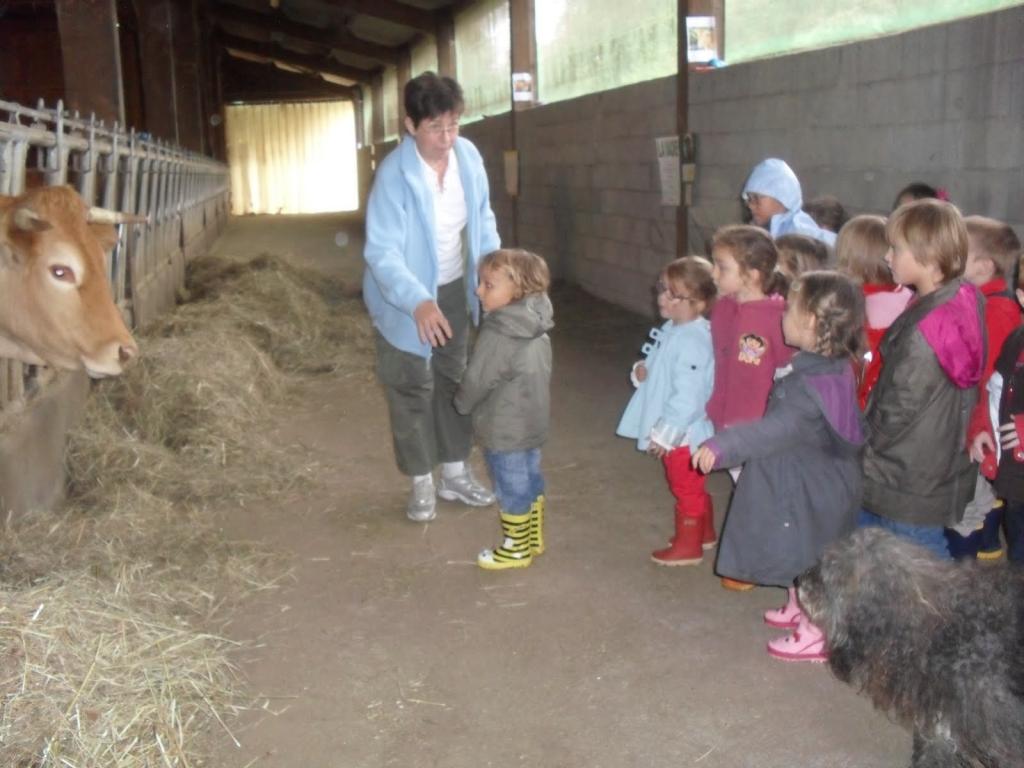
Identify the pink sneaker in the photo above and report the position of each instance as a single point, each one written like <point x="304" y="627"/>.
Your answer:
<point x="786" y="617"/>
<point x="806" y="643"/>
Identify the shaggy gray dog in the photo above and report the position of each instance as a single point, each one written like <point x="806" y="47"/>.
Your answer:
<point x="937" y="645"/>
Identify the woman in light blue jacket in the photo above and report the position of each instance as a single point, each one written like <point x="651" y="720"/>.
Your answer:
<point x="428" y="223"/>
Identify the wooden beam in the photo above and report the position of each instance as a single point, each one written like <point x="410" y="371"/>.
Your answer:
<point x="185" y="38"/>
<point x="156" y="54"/>
<point x="377" y="116"/>
<point x="292" y="58"/>
<point x="682" y="117"/>
<point x="444" y="34"/>
<point x="390" y="10"/>
<point x="252" y="81"/>
<point x="338" y="39"/>
<point x="404" y="75"/>
<point x="523" y="47"/>
<point x="92" y="58"/>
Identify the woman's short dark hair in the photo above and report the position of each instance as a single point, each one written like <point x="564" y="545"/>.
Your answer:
<point x="429" y="95"/>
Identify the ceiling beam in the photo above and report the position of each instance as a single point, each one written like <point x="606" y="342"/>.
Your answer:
<point x="265" y="82"/>
<point x="338" y="39"/>
<point x="390" y="10"/>
<point x="295" y="59"/>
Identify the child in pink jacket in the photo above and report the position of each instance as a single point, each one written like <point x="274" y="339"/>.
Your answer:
<point x="746" y="329"/>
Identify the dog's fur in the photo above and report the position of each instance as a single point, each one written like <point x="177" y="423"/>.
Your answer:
<point x="936" y="644"/>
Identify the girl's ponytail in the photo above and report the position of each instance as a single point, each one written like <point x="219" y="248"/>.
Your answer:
<point x="775" y="281"/>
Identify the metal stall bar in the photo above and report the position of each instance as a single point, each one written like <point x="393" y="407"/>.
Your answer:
<point x="117" y="169"/>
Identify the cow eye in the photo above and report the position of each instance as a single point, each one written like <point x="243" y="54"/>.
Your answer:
<point x="62" y="273"/>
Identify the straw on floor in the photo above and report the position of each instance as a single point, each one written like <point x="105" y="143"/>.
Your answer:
<point x="109" y="607"/>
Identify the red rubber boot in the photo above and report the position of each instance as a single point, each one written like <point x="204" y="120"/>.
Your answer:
<point x="685" y="548"/>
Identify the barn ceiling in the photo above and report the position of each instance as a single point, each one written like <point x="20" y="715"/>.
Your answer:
<point x="343" y="41"/>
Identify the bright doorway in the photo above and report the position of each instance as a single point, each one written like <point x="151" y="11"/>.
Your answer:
<point x="295" y="157"/>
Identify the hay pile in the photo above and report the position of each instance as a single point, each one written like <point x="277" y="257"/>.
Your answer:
<point x="182" y="423"/>
<point x="301" y="319"/>
<point x="103" y="659"/>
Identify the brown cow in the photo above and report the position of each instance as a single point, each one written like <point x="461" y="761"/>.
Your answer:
<point x="56" y="307"/>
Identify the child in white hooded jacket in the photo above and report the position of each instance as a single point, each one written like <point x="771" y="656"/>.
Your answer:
<point x="773" y="195"/>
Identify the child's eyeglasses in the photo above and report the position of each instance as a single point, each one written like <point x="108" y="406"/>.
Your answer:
<point x="662" y="287"/>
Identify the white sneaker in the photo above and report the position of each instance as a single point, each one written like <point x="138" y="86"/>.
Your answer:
<point x="466" y="489"/>
<point x="422" y="507"/>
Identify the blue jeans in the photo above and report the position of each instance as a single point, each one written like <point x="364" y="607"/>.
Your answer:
<point x="516" y="478"/>
<point x="931" y="537"/>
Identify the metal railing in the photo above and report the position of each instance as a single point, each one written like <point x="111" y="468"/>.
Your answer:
<point x="184" y="195"/>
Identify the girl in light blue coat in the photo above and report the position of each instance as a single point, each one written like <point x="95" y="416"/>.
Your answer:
<point x="667" y="414"/>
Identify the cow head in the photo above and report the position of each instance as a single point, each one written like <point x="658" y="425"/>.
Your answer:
<point x="56" y="307"/>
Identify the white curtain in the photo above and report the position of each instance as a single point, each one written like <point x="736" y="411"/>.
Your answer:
<point x="292" y="158"/>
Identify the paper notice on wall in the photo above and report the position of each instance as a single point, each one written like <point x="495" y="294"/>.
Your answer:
<point x="668" y="169"/>
<point x="701" y="41"/>
<point x="522" y="86"/>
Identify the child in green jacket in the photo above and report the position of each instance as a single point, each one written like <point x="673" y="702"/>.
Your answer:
<point x="506" y="388"/>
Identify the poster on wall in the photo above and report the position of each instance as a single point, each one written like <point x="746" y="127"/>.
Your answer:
<point x="522" y="86"/>
<point x="701" y="40"/>
<point x="667" y="148"/>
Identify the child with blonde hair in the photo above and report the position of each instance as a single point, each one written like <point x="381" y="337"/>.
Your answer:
<point x="992" y="253"/>
<point x="746" y="329"/>
<point x="506" y="389"/>
<point x="667" y="414"/>
<point x="918" y="476"/>
<point x="860" y="253"/>
<point x="800" y="486"/>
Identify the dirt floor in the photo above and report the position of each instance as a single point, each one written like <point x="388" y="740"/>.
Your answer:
<point x="390" y="647"/>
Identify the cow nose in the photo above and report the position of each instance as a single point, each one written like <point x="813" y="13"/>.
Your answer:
<point x="126" y="352"/>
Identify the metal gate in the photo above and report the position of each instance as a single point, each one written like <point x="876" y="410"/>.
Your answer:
<point x="184" y="195"/>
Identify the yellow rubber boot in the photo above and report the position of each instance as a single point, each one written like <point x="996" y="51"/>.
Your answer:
<point x="537" y="526"/>
<point x="514" y="551"/>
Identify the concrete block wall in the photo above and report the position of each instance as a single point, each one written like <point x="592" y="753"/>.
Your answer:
<point x="943" y="104"/>
<point x="590" y="200"/>
<point x="492" y="136"/>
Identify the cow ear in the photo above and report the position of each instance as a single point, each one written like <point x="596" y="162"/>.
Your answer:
<point x="27" y="220"/>
<point x="106" y="234"/>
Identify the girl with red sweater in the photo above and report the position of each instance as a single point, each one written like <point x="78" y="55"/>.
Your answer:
<point x="746" y="329"/>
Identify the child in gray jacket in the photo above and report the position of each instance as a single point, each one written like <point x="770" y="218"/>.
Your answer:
<point x="506" y="388"/>
<point x="801" y="484"/>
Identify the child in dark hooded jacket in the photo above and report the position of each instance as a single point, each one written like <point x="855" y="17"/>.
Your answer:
<point x="918" y="476"/>
<point x="801" y="482"/>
